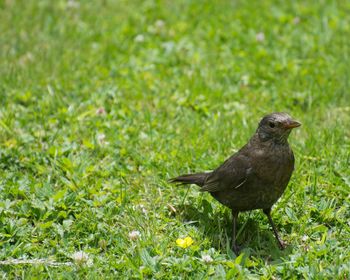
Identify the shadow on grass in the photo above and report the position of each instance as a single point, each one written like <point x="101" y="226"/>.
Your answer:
<point x="217" y="227"/>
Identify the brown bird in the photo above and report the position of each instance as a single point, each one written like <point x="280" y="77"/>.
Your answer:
<point x="256" y="176"/>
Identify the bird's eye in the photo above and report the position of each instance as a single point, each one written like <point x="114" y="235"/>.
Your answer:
<point x="272" y="124"/>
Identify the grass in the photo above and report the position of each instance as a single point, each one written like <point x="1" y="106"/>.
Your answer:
<point x="102" y="101"/>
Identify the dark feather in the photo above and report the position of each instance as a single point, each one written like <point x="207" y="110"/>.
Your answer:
<point x="197" y="179"/>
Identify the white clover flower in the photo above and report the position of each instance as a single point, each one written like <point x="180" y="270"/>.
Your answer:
<point x="260" y="37"/>
<point x="207" y="259"/>
<point x="143" y="209"/>
<point x="139" y="38"/>
<point x="143" y="135"/>
<point x="245" y="80"/>
<point x="304" y="238"/>
<point x="134" y="235"/>
<point x="101" y="139"/>
<point x="159" y="23"/>
<point x="82" y="258"/>
<point x="73" y="4"/>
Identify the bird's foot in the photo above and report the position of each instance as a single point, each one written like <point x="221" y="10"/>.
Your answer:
<point x="282" y="244"/>
<point x="236" y="249"/>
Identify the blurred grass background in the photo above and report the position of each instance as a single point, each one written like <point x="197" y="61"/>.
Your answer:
<point x="103" y="101"/>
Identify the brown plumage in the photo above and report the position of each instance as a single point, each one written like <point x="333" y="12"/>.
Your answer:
<point x="256" y="176"/>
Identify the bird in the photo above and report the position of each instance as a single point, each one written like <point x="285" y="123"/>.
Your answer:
<point x="256" y="176"/>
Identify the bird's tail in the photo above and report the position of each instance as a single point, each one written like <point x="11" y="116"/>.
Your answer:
<point x="197" y="179"/>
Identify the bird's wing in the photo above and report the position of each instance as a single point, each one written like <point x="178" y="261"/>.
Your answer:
<point x="233" y="173"/>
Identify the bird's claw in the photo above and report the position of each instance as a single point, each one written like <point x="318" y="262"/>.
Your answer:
<point x="236" y="249"/>
<point x="282" y="244"/>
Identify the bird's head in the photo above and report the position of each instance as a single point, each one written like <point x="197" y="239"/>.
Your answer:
<point x="276" y="127"/>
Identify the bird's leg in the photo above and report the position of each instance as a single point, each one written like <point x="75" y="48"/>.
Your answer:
<point x="267" y="212"/>
<point x="235" y="247"/>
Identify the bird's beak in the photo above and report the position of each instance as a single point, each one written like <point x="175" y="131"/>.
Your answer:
<point x="292" y="124"/>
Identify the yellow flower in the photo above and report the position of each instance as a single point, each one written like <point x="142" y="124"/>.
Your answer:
<point x="11" y="143"/>
<point x="184" y="243"/>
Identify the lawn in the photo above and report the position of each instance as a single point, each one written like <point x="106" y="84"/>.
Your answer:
<point x="101" y="102"/>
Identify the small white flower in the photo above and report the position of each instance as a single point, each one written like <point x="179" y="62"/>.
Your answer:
<point x="101" y="139"/>
<point x="134" y="235"/>
<point x="139" y="38"/>
<point x="143" y="209"/>
<point x="304" y="238"/>
<point x="245" y="80"/>
<point x="207" y="259"/>
<point x="72" y="4"/>
<point x="143" y="135"/>
<point x="82" y="258"/>
<point x="159" y="23"/>
<point x="260" y="37"/>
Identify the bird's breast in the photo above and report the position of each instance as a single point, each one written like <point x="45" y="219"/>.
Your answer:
<point x="273" y="166"/>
